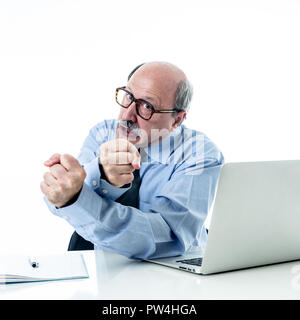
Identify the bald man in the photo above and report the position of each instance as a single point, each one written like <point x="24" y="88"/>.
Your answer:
<point x="147" y="153"/>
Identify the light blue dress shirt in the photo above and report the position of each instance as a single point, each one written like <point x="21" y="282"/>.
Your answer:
<point x="179" y="178"/>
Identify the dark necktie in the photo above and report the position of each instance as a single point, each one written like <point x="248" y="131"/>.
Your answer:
<point x="130" y="198"/>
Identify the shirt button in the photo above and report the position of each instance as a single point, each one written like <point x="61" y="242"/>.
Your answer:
<point x="104" y="191"/>
<point x="94" y="183"/>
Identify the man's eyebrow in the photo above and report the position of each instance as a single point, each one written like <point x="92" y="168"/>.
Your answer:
<point x="149" y="98"/>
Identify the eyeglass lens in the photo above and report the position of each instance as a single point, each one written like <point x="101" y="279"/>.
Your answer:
<point x="125" y="99"/>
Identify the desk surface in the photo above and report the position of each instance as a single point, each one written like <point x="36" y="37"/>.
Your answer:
<point x="115" y="277"/>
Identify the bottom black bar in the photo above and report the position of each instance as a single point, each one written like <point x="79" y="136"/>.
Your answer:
<point x="136" y="309"/>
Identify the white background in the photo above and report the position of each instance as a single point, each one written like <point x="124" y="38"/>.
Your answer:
<point x="60" y="62"/>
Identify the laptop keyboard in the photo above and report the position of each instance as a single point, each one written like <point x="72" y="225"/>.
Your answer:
<point x="194" y="262"/>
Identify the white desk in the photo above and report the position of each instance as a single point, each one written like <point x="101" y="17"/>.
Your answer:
<point x="115" y="277"/>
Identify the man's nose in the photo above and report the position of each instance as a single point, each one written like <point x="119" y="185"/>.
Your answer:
<point x="130" y="113"/>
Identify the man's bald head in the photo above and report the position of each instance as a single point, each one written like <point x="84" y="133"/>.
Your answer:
<point x="171" y="78"/>
<point x="160" y="69"/>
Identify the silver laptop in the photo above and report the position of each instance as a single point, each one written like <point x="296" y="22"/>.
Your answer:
<point x="255" y="219"/>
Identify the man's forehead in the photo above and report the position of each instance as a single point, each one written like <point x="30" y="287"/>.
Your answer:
<point x="154" y="85"/>
<point x="144" y="92"/>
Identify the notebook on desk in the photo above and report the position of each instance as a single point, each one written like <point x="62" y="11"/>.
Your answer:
<point x="255" y="219"/>
<point x="21" y="268"/>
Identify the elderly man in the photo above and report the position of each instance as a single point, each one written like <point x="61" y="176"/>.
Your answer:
<point x="143" y="185"/>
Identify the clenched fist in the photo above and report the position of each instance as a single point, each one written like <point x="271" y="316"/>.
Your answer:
<point x="64" y="180"/>
<point x="119" y="158"/>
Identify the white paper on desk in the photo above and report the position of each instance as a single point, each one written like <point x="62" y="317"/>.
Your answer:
<point x="17" y="268"/>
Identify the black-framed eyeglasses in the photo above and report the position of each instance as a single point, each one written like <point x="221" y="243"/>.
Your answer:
<point x="144" y="109"/>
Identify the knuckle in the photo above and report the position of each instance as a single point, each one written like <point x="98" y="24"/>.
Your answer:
<point x="55" y="168"/>
<point x="65" y="156"/>
<point x="60" y="188"/>
<point x="76" y="175"/>
<point x="69" y="183"/>
<point x="75" y="178"/>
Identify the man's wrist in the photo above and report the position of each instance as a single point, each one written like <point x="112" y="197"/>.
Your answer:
<point x="71" y="201"/>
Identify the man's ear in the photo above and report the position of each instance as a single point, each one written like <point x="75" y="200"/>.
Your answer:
<point x="180" y="116"/>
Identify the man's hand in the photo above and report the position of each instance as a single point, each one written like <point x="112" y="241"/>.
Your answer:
<point x="119" y="158"/>
<point x="64" y="180"/>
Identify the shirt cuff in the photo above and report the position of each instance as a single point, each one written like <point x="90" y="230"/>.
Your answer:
<point x="111" y="192"/>
<point x="93" y="174"/>
<point x="82" y="212"/>
<point x="102" y="187"/>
